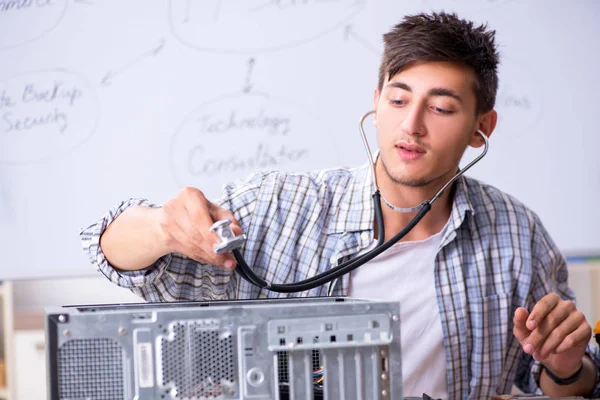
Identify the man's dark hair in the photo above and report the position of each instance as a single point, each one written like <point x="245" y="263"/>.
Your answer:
<point x="444" y="37"/>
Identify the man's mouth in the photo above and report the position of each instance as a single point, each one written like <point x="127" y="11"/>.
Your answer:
<point x="414" y="148"/>
<point x="409" y="152"/>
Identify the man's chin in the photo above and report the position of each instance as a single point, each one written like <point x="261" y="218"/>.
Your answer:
<point x="408" y="180"/>
<point x="415" y="182"/>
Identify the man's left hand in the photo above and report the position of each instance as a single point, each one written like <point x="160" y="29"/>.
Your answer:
<point x="555" y="333"/>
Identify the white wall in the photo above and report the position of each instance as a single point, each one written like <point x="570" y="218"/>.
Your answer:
<point x="31" y="296"/>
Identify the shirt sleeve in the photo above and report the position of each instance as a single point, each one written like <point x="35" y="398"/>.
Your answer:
<point x="550" y="275"/>
<point x="173" y="277"/>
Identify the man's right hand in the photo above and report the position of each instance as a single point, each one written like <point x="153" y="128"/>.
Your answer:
<point x="141" y="235"/>
<point x="185" y="223"/>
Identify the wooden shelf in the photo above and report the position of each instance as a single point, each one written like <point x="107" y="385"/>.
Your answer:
<point x="8" y="319"/>
<point x="28" y="321"/>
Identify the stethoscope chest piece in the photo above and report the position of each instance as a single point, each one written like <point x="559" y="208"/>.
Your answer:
<point x="229" y="241"/>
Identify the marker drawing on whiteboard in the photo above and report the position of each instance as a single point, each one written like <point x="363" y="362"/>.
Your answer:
<point x="110" y="75"/>
<point x="240" y="133"/>
<point x="268" y="25"/>
<point x="247" y="85"/>
<point x="349" y="33"/>
<point x="24" y="21"/>
<point x="45" y="114"/>
<point x="186" y="17"/>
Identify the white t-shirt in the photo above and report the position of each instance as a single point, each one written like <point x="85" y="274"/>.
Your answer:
<point x="404" y="273"/>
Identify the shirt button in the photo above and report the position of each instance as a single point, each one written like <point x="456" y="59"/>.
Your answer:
<point x="333" y="259"/>
<point x="364" y="236"/>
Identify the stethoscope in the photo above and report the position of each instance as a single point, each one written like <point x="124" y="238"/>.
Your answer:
<point x="230" y="242"/>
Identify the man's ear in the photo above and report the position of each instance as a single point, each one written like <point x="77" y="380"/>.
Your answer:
<point x="376" y="94"/>
<point x="486" y="124"/>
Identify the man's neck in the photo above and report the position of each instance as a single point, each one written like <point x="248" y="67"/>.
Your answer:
<point x="408" y="196"/>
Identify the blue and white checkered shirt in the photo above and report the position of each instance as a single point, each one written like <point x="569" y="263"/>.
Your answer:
<point x="494" y="256"/>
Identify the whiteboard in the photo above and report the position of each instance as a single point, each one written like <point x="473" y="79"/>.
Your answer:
<point x="105" y="100"/>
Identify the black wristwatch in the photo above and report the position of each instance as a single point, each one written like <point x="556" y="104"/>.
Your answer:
<point x="565" y="381"/>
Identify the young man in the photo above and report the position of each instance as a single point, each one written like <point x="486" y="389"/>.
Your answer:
<point x="483" y="289"/>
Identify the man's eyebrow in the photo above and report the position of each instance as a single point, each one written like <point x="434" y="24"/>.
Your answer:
<point x="445" y="92"/>
<point x="432" y="92"/>
<point x="400" y="85"/>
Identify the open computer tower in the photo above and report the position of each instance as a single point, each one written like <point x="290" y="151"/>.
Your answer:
<point x="298" y="348"/>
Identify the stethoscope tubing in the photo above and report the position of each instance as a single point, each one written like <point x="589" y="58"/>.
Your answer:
<point x="246" y="273"/>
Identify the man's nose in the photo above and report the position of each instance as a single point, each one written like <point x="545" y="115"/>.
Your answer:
<point x="413" y="120"/>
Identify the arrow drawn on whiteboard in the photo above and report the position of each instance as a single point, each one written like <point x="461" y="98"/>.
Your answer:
<point x="349" y="33"/>
<point x="218" y="9"/>
<point x="186" y="17"/>
<point x="110" y="75"/>
<point x="248" y="86"/>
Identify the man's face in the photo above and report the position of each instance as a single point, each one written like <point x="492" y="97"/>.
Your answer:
<point x="425" y="118"/>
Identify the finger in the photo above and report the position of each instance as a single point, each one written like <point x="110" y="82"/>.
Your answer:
<point x="579" y="338"/>
<point x="200" y="222"/>
<point x="182" y="233"/>
<point x="520" y="330"/>
<point x="557" y="335"/>
<point x="549" y="324"/>
<point x="218" y="213"/>
<point x="197" y="207"/>
<point x="541" y="309"/>
<point x="191" y="243"/>
<point x="177" y="227"/>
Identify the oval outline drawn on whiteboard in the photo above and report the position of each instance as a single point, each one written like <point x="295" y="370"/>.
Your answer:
<point x="41" y="34"/>
<point x="76" y="144"/>
<point x="359" y="5"/>
<point x="462" y="7"/>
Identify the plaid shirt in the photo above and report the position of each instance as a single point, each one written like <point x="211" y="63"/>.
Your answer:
<point x="494" y="257"/>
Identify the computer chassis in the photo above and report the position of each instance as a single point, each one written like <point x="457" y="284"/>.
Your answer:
<point x="297" y="348"/>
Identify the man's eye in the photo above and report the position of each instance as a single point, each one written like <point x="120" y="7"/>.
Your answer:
<point x="442" y="111"/>
<point x="397" y="102"/>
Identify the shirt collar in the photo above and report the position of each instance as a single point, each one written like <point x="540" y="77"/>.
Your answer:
<point x="355" y="210"/>
<point x="462" y="207"/>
